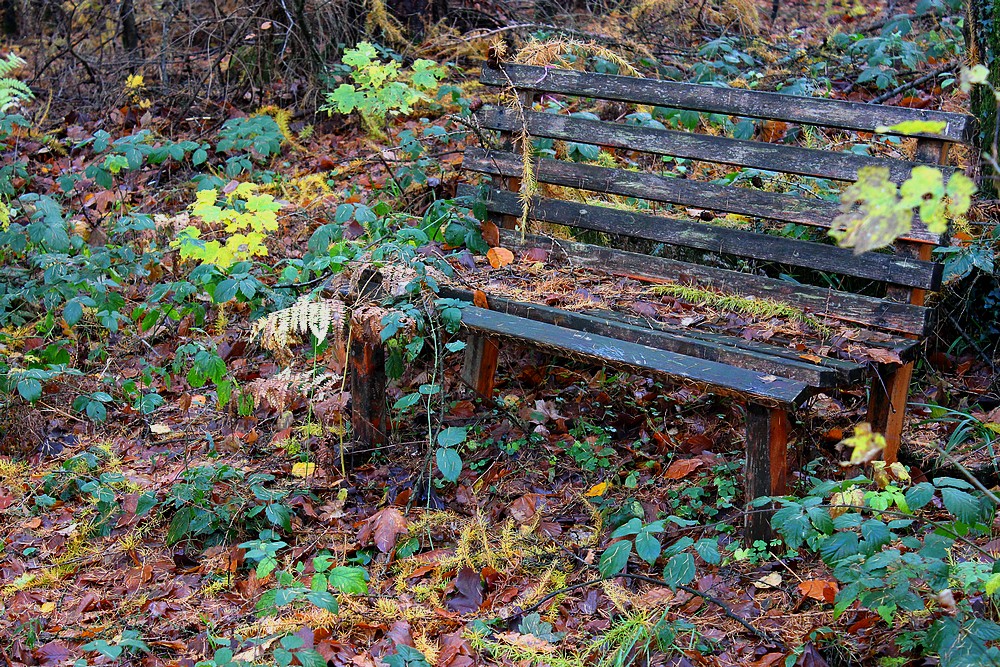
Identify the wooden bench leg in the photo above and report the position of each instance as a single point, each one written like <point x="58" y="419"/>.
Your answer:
<point x="890" y="386"/>
<point x="368" y="382"/>
<point x="767" y="464"/>
<point x="481" y="356"/>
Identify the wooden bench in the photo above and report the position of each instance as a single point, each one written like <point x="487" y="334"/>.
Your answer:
<point x="772" y="379"/>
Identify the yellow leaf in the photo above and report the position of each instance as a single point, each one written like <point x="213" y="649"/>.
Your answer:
<point x="303" y="469"/>
<point x="49" y="607"/>
<point x="992" y="584"/>
<point x="597" y="490"/>
<point x="865" y="445"/>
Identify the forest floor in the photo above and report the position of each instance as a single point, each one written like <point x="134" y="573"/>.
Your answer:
<point x="193" y="532"/>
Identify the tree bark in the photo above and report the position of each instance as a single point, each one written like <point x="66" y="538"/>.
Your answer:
<point x="130" y="31"/>
<point x="8" y="18"/>
<point x="982" y="28"/>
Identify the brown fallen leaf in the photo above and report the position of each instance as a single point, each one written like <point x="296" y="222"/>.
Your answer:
<point x="681" y="468"/>
<point x="499" y="257"/>
<point x="385" y="526"/>
<point x="491" y="233"/>
<point x="479" y="299"/>
<point x="819" y="589"/>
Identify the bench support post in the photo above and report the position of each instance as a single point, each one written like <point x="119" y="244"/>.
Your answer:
<point x="368" y="383"/>
<point x="767" y="464"/>
<point x="890" y="386"/>
<point x="481" y="356"/>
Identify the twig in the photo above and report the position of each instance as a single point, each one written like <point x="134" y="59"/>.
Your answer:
<point x="912" y="84"/>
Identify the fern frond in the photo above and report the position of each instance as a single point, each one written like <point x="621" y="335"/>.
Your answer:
<point x="305" y="316"/>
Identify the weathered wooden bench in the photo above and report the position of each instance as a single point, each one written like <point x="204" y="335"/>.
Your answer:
<point x="881" y="292"/>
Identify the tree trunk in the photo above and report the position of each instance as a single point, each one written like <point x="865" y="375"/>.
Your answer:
<point x="130" y="31"/>
<point x="8" y="18"/>
<point x="982" y="27"/>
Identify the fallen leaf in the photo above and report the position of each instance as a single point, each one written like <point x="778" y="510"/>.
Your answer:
<point x="681" y="468"/>
<point x="469" y="585"/>
<point x="385" y="526"/>
<point x="491" y="233"/>
<point x="303" y="469"/>
<point x="597" y="490"/>
<point x="819" y="589"/>
<point x="479" y="299"/>
<point x="772" y="580"/>
<point x="499" y="257"/>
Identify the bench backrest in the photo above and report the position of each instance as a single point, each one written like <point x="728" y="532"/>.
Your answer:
<point x="906" y="273"/>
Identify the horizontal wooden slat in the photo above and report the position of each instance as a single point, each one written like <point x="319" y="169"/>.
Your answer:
<point x="610" y="351"/>
<point x="729" y="101"/>
<point x="885" y="268"/>
<point x="838" y="165"/>
<point x="763" y="358"/>
<point x="866" y="311"/>
<point x="643" y="185"/>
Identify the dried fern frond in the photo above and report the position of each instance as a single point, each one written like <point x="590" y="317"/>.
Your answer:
<point x="305" y="316"/>
<point x="282" y="389"/>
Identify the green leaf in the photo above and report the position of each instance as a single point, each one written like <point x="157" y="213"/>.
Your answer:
<point x="680" y="570"/>
<point x="452" y="436"/>
<point x="449" y="462"/>
<point x="647" y="546"/>
<point x="323" y="600"/>
<point x="310" y="658"/>
<point x="632" y="527"/>
<point x="72" y="311"/>
<point x="350" y="580"/>
<point x="963" y="505"/>
<point x="708" y="549"/>
<point x="919" y="495"/>
<point x="30" y="389"/>
<point x="615" y="558"/>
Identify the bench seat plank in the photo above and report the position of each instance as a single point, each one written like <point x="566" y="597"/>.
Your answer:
<point x="760" y="357"/>
<point x="730" y="101"/>
<point x="723" y="378"/>
<point x="898" y="270"/>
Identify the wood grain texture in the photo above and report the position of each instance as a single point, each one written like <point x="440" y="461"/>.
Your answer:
<point x="767" y="430"/>
<point x="482" y="353"/>
<point x="874" y="266"/>
<point x="719" y="377"/>
<point x="729" y="101"/>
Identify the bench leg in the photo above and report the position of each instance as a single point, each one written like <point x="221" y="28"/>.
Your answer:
<point x="481" y="356"/>
<point x="890" y="386"/>
<point x="767" y="464"/>
<point x="368" y="382"/>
